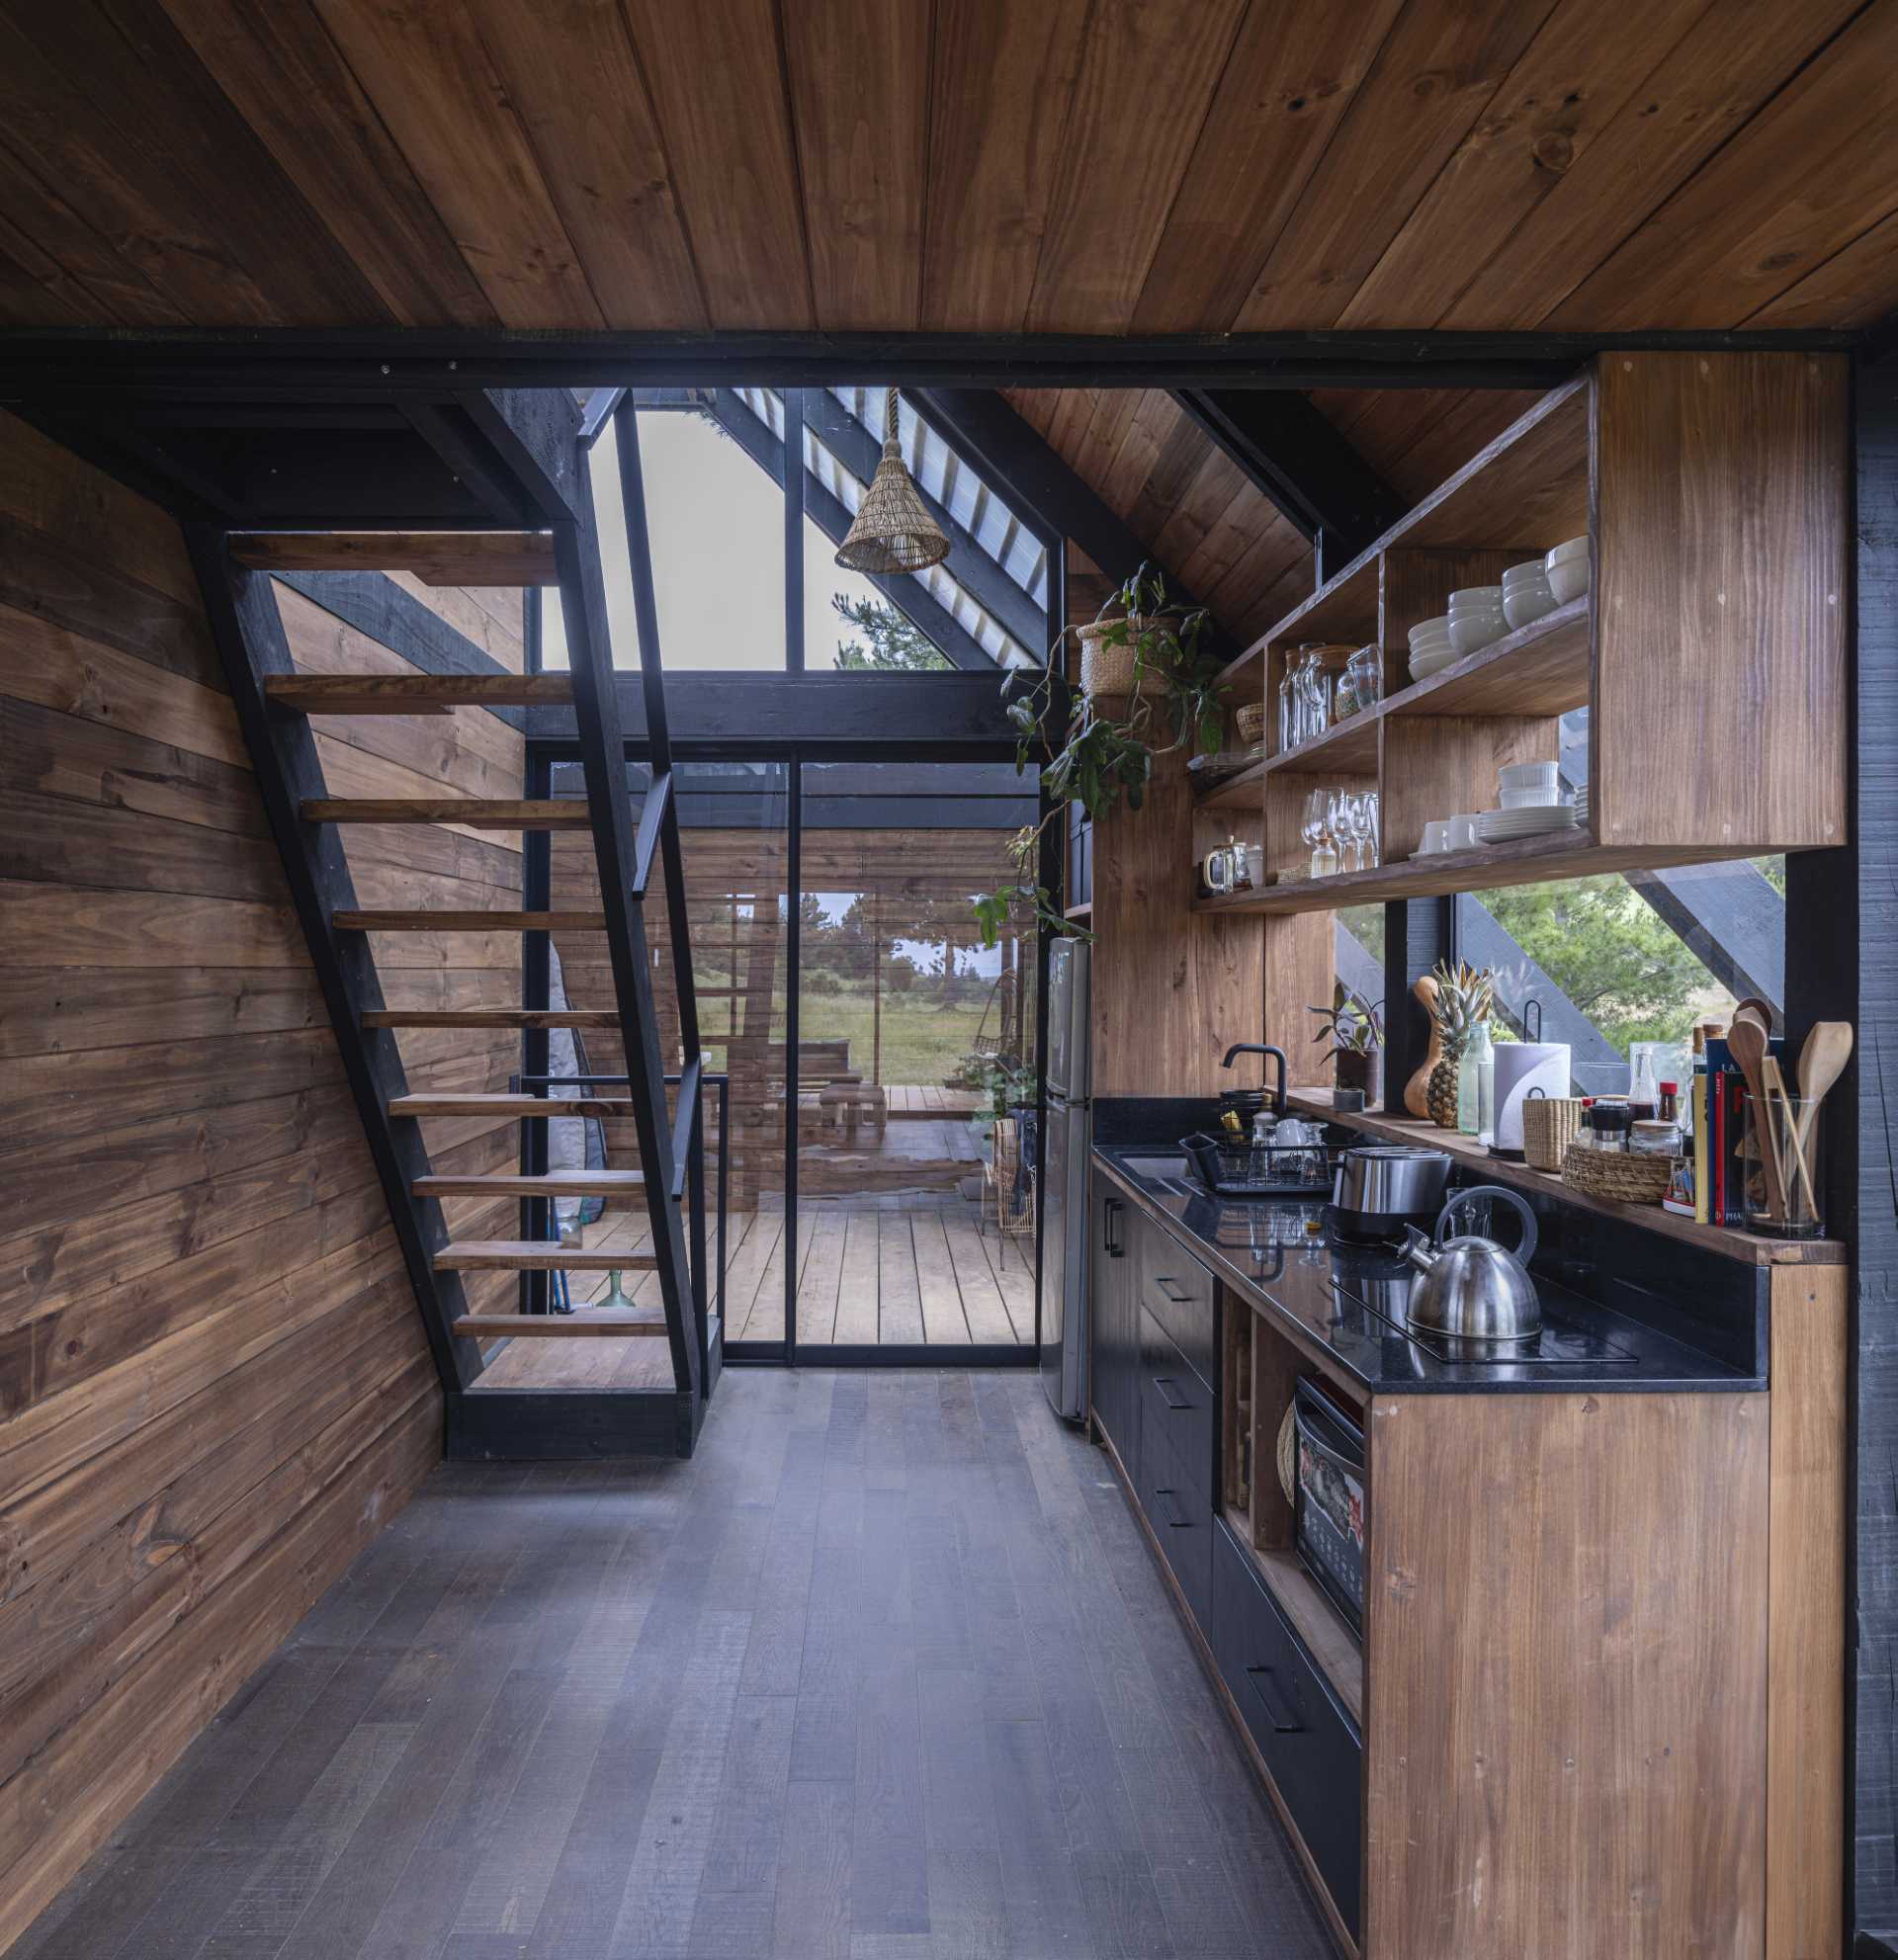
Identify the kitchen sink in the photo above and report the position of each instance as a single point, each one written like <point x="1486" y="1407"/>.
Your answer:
<point x="1168" y="1166"/>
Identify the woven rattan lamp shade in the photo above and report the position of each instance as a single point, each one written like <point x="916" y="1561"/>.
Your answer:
<point x="894" y="531"/>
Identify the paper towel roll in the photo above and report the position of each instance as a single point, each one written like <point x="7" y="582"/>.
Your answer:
<point x="1522" y="1065"/>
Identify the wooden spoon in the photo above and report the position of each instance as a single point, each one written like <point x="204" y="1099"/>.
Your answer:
<point x="1747" y="1041"/>
<point x="1752" y="1008"/>
<point x="1821" y="1061"/>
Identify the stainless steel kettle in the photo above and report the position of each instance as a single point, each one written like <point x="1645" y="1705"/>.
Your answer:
<point x="1473" y="1289"/>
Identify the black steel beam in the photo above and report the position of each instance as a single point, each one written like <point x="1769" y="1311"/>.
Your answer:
<point x="1730" y="918"/>
<point x="730" y="717"/>
<point x="376" y="606"/>
<point x="240" y="607"/>
<point x="909" y="596"/>
<point x="840" y="431"/>
<point x="1301" y="462"/>
<point x="300" y="364"/>
<point x="982" y="424"/>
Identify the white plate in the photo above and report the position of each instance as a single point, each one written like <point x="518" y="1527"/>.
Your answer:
<point x="1500" y="826"/>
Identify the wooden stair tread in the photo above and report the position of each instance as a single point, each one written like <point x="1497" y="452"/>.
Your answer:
<point x="495" y="921"/>
<point x="490" y="1017"/>
<point x="436" y="557"/>
<point x="477" y="1326"/>
<point x="415" y="694"/>
<point x="529" y="1184"/>
<point x="475" y="812"/>
<point x="538" y="1255"/>
<point x="482" y="1103"/>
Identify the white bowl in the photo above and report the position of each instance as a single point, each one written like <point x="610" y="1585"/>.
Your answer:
<point x="1536" y="799"/>
<point x="1568" y="580"/>
<point x="1470" y="633"/>
<point x="1436" y="834"/>
<point x="1570" y="548"/>
<point x="1431" y="642"/>
<point x="1530" y="776"/>
<point x="1476" y="595"/>
<point x="1529" y="603"/>
<point x="1424" y="665"/>
<point x="1528" y="568"/>
<point x="1441" y="624"/>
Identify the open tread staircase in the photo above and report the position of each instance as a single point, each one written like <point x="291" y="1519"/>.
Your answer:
<point x="536" y="435"/>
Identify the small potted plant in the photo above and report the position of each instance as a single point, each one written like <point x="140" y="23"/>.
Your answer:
<point x="1356" y="1036"/>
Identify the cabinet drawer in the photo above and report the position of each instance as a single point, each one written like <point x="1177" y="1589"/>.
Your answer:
<point x="1308" y="1741"/>
<point x="1181" y="1520"/>
<point x="1177" y="1406"/>
<point x="1178" y="1292"/>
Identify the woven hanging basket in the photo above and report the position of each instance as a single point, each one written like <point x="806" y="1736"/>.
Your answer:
<point x="1107" y="669"/>
<point x="893" y="530"/>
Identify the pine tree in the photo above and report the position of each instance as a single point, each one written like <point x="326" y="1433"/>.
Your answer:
<point x="894" y="645"/>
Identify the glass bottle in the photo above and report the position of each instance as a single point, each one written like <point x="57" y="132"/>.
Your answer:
<point x="1485" y="1086"/>
<point x="1643" y="1091"/>
<point x="1476" y="1052"/>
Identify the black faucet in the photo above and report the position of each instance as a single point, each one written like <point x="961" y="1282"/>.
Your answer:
<point x="1262" y="1048"/>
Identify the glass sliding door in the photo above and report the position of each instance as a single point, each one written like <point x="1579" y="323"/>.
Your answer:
<point x="915" y="1057"/>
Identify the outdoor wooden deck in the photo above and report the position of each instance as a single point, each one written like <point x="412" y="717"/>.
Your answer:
<point x="873" y="1274"/>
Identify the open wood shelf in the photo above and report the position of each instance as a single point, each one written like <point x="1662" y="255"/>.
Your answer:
<point x="1529" y="484"/>
<point x="1526" y="861"/>
<point x="1730" y="1244"/>
<point x="1539" y="669"/>
<point x="1238" y="792"/>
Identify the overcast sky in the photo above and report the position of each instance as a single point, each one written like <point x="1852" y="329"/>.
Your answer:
<point x="718" y="555"/>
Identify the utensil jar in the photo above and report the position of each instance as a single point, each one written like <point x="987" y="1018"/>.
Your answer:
<point x="1788" y="1127"/>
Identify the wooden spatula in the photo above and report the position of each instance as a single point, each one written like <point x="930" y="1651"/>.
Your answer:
<point x="1747" y="1040"/>
<point x="1821" y="1063"/>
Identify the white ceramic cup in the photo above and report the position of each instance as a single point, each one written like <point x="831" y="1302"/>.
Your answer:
<point x="1462" y="833"/>
<point x="1529" y="775"/>
<point x="1436" y="837"/>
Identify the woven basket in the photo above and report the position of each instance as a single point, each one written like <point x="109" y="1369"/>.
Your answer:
<point x="1249" y="721"/>
<point x="1287" y="1454"/>
<point x="1106" y="670"/>
<point x="1620" y="1176"/>
<point x="1549" y="1127"/>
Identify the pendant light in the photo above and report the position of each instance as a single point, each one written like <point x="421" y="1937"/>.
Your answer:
<point x="892" y="530"/>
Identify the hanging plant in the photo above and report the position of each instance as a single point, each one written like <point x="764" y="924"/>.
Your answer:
<point x="1166" y="695"/>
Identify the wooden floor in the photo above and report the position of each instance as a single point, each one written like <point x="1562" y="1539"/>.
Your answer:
<point x="885" y="1672"/>
<point x="871" y="1272"/>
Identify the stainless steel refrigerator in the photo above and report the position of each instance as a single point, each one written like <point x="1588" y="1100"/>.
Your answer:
<point x="1064" y="1223"/>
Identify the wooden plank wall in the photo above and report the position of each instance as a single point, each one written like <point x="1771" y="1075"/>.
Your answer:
<point x="213" y="1385"/>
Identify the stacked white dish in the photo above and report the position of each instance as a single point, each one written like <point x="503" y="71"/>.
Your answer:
<point x="1431" y="649"/>
<point x="1526" y="595"/>
<point x="1568" y="570"/>
<point x="1476" y="616"/>
<point x="1532" y="805"/>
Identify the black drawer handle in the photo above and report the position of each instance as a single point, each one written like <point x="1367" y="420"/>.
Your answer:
<point x="1165" y="1383"/>
<point x="1284" y="1724"/>
<point x="1114" y="1248"/>
<point x="1173" y="1289"/>
<point x="1173" y="1523"/>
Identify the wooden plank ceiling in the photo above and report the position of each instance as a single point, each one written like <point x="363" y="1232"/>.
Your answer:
<point x="1103" y="166"/>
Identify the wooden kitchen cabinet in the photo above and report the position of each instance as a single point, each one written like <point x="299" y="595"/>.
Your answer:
<point x="1113" y="1352"/>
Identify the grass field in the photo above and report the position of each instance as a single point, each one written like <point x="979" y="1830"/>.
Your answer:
<point x="923" y="1042"/>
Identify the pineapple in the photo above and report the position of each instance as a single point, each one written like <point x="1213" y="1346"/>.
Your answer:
<point x="1463" y="997"/>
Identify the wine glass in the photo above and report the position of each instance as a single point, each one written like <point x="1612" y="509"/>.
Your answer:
<point x="1342" y="823"/>
<point x="1317" y="833"/>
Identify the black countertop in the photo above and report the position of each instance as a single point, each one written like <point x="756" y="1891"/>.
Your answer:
<point x="1350" y="1303"/>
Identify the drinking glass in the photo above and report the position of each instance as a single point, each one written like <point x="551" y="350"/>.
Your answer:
<point x="1317" y="833"/>
<point x="1372" y="818"/>
<point x="1342" y="817"/>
